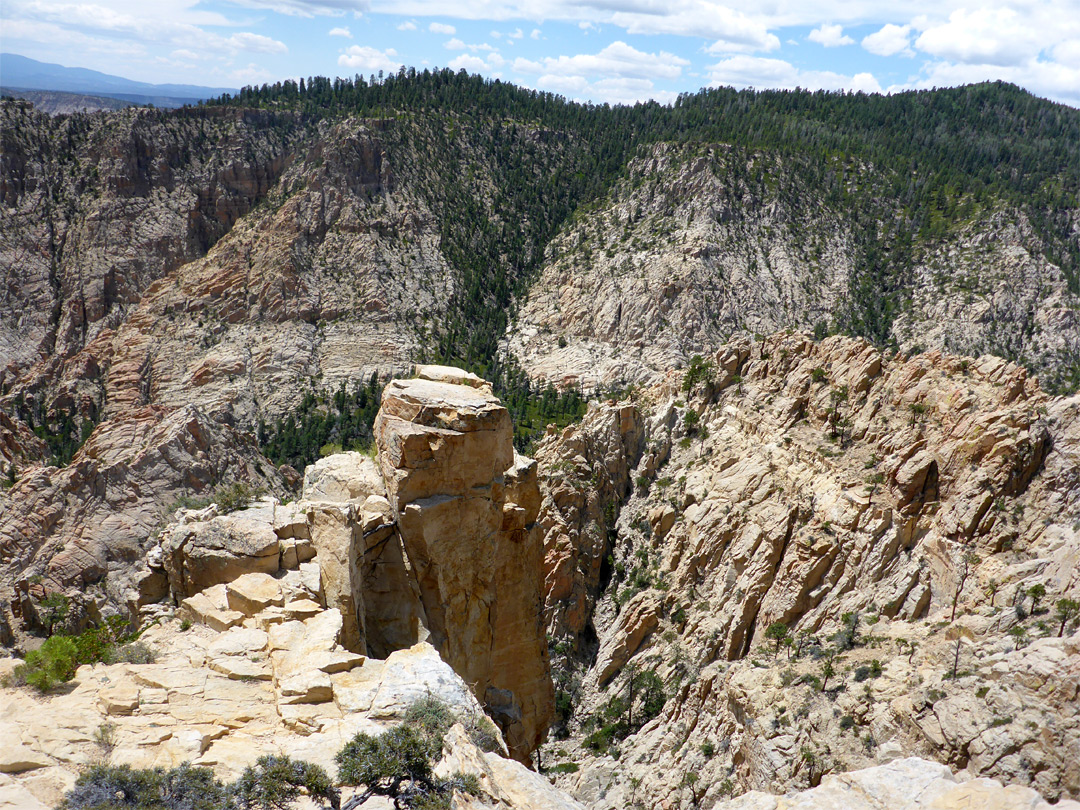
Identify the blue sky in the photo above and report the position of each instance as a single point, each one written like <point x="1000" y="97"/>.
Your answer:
<point x="602" y="50"/>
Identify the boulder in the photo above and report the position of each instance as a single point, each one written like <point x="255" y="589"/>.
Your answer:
<point x="253" y="592"/>
<point x="218" y="551"/>
<point x="342" y="477"/>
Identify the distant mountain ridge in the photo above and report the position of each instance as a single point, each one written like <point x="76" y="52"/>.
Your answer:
<point x="22" y="73"/>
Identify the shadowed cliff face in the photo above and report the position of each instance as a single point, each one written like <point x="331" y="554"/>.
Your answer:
<point x="820" y="486"/>
<point x="99" y="207"/>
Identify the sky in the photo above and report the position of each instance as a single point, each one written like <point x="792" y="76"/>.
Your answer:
<point x="615" y="51"/>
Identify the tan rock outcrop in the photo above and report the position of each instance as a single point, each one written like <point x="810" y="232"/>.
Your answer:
<point x="224" y="699"/>
<point x="447" y="456"/>
<point x="220" y="550"/>
<point x="815" y="492"/>
<point x="906" y="784"/>
<point x="95" y="520"/>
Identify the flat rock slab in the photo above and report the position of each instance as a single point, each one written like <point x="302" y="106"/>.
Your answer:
<point x="253" y="592"/>
<point x="20" y="758"/>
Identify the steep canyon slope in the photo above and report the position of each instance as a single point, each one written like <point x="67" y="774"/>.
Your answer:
<point x="818" y="557"/>
<point x="197" y="297"/>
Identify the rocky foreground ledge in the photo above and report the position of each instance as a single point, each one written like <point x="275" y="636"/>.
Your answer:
<point x="288" y="628"/>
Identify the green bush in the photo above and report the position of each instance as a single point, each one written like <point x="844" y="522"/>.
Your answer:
<point x="396" y="764"/>
<point x="236" y="496"/>
<point x="483" y="733"/>
<point x="276" y="782"/>
<point x="109" y="787"/>
<point x="48" y="666"/>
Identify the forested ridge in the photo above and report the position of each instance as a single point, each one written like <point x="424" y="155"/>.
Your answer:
<point x="504" y="168"/>
<point x="937" y="157"/>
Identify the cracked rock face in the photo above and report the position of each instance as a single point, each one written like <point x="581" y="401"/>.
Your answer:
<point x="466" y="508"/>
<point x="805" y="483"/>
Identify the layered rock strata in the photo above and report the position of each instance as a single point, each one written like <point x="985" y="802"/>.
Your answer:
<point x="466" y="508"/>
<point x="85" y="528"/>
<point x="823" y="486"/>
<point x="273" y="679"/>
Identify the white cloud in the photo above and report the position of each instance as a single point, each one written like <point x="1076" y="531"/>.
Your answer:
<point x="535" y="34"/>
<point x="473" y="64"/>
<point x="184" y="53"/>
<point x="341" y="32"/>
<point x="252" y="74"/>
<point x="408" y="25"/>
<point x="495" y="34"/>
<point x="370" y="59"/>
<point x="1044" y="78"/>
<point x="588" y="25"/>
<point x="732" y="30"/>
<point x="442" y="28"/>
<point x="307" y="8"/>
<point x="889" y="41"/>
<point x="987" y="36"/>
<point x="456" y="44"/>
<point x="617" y="60"/>
<point x="1068" y="53"/>
<point x="831" y="36"/>
<point x="757" y="71"/>
<point x="516" y="34"/>
<point x="246" y="41"/>
<point x="610" y="90"/>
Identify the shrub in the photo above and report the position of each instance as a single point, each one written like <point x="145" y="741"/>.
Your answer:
<point x="483" y="733"/>
<point x="108" y="787"/>
<point x="396" y="764"/>
<point x="133" y="653"/>
<point x="54" y="611"/>
<point x="432" y="716"/>
<point x="565" y="767"/>
<point x="276" y="782"/>
<point x="51" y="664"/>
<point x="235" y="496"/>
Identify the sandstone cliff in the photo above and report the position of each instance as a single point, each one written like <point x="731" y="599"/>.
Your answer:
<point x="692" y="247"/>
<point x="821" y="486"/>
<point x="466" y="507"/>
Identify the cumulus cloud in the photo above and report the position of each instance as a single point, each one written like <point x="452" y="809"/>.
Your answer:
<point x="831" y="36"/>
<point x="408" y="25"/>
<point x="732" y="30"/>
<point x="757" y="71"/>
<point x="985" y="36"/>
<point x="442" y="28"/>
<point x="889" y="41"/>
<point x="616" y="60"/>
<point x="257" y="43"/>
<point x="611" y="90"/>
<point x="363" y="57"/>
<point x="454" y="44"/>
<point x="1044" y="78"/>
<point x="341" y="32"/>
<point x="473" y="64"/>
<point x="252" y="74"/>
<point x="535" y="34"/>
<point x="308" y="8"/>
